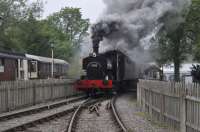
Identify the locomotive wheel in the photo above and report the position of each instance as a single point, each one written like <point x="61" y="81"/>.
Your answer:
<point x="91" y="93"/>
<point x="87" y="94"/>
<point x="94" y="92"/>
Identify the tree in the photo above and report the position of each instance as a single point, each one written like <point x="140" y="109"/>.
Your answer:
<point x="185" y="37"/>
<point x="179" y="48"/>
<point x="175" y="46"/>
<point x="193" y="21"/>
<point x="73" y="29"/>
<point x="14" y="14"/>
<point x="23" y="31"/>
<point x="71" y="23"/>
<point x="160" y="52"/>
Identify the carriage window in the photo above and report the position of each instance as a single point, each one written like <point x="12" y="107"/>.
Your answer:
<point x="1" y="65"/>
<point x="33" y="66"/>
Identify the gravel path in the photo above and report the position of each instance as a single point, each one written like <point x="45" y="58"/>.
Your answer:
<point x="92" y="123"/>
<point x="132" y="117"/>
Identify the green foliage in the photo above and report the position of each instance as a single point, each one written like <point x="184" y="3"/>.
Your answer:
<point x="23" y="31"/>
<point x="15" y="15"/>
<point x="175" y="46"/>
<point x="194" y="27"/>
<point x="71" y="27"/>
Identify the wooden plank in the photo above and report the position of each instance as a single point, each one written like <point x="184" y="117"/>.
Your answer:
<point x="156" y="109"/>
<point x="196" y="127"/>
<point x="163" y="93"/>
<point x="15" y="94"/>
<point x="183" y="114"/>
<point x="171" y="117"/>
<point x="191" y="98"/>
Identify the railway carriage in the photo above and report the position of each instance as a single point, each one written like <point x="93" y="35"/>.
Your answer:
<point x="19" y="66"/>
<point x="11" y="66"/>
<point x="41" y="67"/>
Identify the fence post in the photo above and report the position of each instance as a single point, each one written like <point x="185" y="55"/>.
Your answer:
<point x="51" y="88"/>
<point x="34" y="93"/>
<point x="8" y="97"/>
<point x="138" y="95"/>
<point x="183" y="113"/>
<point x="150" y="103"/>
<point x="162" y="109"/>
<point x="66" y="88"/>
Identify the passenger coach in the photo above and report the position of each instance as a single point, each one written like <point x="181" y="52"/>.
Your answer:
<point x="18" y="66"/>
<point x="41" y="67"/>
<point x="11" y="66"/>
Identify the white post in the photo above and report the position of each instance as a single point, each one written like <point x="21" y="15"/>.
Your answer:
<point x="183" y="113"/>
<point x="25" y="69"/>
<point x="19" y="69"/>
<point x="52" y="65"/>
<point x="8" y="103"/>
<point x="139" y="99"/>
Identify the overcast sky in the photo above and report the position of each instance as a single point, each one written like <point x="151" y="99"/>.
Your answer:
<point x="91" y="9"/>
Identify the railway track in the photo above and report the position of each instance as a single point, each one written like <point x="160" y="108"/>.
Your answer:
<point x="111" y="111"/>
<point x="75" y="116"/>
<point x="68" y="115"/>
<point x="24" y="119"/>
<point x="117" y="116"/>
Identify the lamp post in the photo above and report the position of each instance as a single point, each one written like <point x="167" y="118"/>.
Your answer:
<point x="52" y="63"/>
<point x="1" y="20"/>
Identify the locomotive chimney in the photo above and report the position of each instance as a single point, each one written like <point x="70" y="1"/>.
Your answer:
<point x="96" y="47"/>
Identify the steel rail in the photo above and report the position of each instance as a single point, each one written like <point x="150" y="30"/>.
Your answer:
<point x="116" y="115"/>
<point x="26" y="125"/>
<point x="35" y="109"/>
<point x="70" y="127"/>
<point x="86" y="103"/>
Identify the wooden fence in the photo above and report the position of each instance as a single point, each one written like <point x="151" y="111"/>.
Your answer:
<point x="18" y="94"/>
<point x="177" y="104"/>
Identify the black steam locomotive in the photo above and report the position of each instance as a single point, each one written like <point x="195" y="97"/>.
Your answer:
<point x="109" y="71"/>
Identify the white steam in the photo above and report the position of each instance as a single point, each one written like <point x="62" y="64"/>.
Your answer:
<point x="136" y="23"/>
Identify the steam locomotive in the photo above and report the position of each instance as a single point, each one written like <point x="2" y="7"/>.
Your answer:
<point x="109" y="71"/>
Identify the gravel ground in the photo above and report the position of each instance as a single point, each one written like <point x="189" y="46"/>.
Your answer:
<point x="57" y="125"/>
<point x="92" y="123"/>
<point x="21" y="120"/>
<point x="132" y="117"/>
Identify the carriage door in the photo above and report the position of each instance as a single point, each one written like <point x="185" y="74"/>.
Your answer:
<point x="33" y="70"/>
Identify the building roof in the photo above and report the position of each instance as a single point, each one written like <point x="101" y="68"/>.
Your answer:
<point x="46" y="59"/>
<point x="12" y="55"/>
